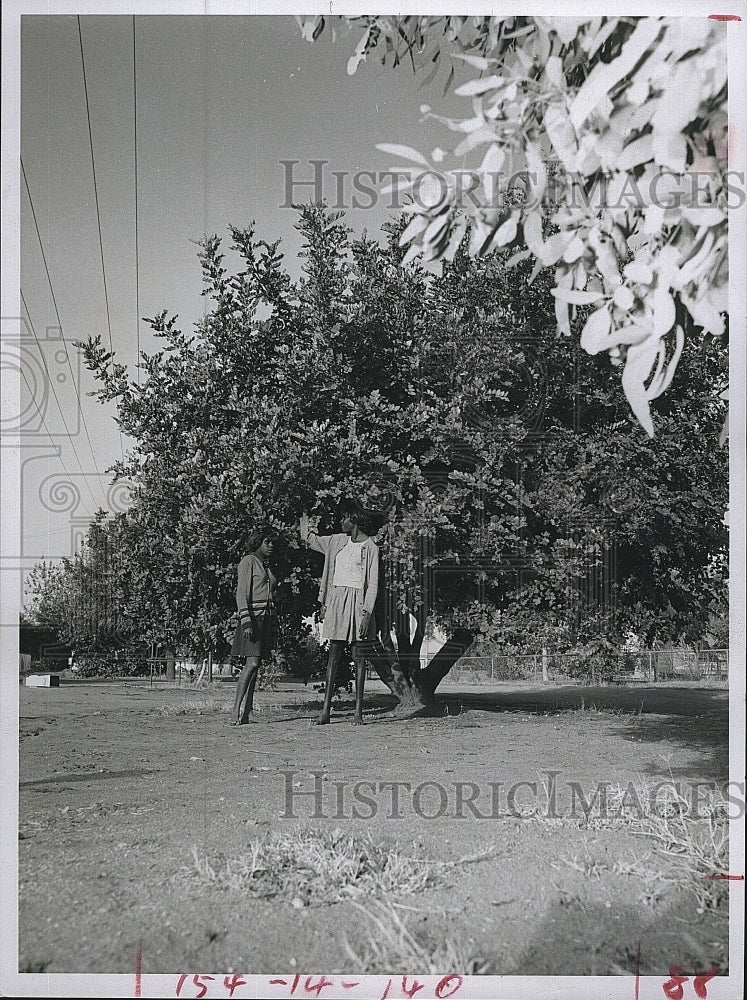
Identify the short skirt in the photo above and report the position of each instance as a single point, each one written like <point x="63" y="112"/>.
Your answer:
<point x="264" y="641"/>
<point x="343" y="616"/>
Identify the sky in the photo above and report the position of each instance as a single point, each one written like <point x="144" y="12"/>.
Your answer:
<point x="202" y="112"/>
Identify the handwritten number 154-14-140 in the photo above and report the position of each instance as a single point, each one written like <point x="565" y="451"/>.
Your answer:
<point x="407" y="988"/>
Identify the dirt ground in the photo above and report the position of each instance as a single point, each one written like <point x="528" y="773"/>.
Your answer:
<point x="127" y="789"/>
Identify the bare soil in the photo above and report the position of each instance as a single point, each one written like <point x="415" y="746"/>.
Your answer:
<point x="126" y="789"/>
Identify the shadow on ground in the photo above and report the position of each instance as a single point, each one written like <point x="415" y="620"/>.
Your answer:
<point x="692" y="718"/>
<point x="582" y="938"/>
<point x="641" y="700"/>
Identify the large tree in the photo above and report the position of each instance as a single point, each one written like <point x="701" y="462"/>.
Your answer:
<point x="508" y="471"/>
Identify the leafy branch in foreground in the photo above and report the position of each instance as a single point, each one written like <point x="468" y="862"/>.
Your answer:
<point x="610" y="134"/>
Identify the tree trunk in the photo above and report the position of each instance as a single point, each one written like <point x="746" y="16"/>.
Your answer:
<point x="408" y="651"/>
<point x="408" y="663"/>
<point x="457" y="645"/>
<point x="383" y="658"/>
<point x="398" y="667"/>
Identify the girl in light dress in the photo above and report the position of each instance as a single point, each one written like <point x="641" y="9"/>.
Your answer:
<point x="348" y="591"/>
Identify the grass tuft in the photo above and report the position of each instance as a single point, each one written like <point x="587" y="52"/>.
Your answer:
<point x="696" y="843"/>
<point x="194" y="706"/>
<point x="391" y="947"/>
<point x="312" y="867"/>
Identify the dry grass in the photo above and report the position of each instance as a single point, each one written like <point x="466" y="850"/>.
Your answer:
<point x="311" y="867"/>
<point x="194" y="706"/>
<point x="391" y="947"/>
<point x="653" y="883"/>
<point x="593" y="709"/>
<point x="701" y="684"/>
<point x="696" y="845"/>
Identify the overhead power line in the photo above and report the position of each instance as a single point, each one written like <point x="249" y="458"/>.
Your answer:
<point x="96" y="200"/>
<point x="59" y="321"/>
<point x="137" y="241"/>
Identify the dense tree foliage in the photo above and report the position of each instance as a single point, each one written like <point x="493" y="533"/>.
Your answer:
<point x="524" y="502"/>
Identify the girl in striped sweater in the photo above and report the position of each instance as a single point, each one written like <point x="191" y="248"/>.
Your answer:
<point x="254" y="633"/>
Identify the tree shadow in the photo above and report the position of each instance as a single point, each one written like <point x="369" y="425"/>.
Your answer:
<point x="707" y="736"/>
<point x="376" y="706"/>
<point x="695" y="720"/>
<point x="582" y="938"/>
<point x="690" y="702"/>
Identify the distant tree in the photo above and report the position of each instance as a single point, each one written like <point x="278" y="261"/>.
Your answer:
<point x="45" y="601"/>
<point x="80" y="598"/>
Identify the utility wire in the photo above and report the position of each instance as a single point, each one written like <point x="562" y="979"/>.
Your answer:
<point x="57" y="313"/>
<point x="98" y="212"/>
<point x="137" y="241"/>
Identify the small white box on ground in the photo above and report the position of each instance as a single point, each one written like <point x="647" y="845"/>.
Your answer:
<point x="43" y="681"/>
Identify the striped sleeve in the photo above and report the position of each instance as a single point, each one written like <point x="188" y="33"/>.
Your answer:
<point x="244" y="589"/>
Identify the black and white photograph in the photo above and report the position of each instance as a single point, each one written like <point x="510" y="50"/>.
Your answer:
<point x="373" y="501"/>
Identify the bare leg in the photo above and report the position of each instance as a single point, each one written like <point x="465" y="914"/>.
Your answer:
<point x="333" y="660"/>
<point x="248" y="713"/>
<point x="245" y="687"/>
<point x="360" y="682"/>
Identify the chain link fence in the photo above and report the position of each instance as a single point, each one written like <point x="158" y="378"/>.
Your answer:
<point x="623" y="667"/>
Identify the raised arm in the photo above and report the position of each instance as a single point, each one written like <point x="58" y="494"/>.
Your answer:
<point x="309" y="535"/>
